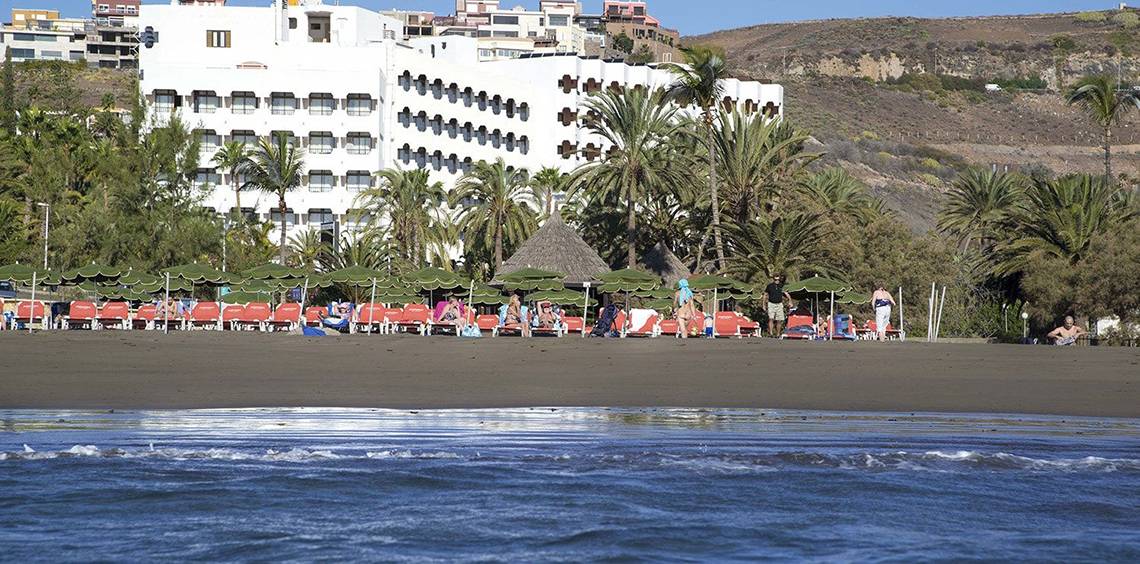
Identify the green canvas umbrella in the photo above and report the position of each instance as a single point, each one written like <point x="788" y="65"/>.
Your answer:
<point x="357" y="275"/>
<point x="93" y="273"/>
<point x="274" y="271"/>
<point x="137" y="278"/>
<point x="480" y="294"/>
<point x="661" y="294"/>
<point x="202" y="275"/>
<point x="628" y="280"/>
<point x="24" y="274"/>
<point x="562" y="297"/>
<point x="816" y="285"/>
<point x="176" y="285"/>
<point x="432" y="278"/>
<point x="532" y="279"/>
<point x="852" y="298"/>
<point x="243" y="298"/>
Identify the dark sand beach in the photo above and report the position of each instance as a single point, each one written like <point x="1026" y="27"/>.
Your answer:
<point x="142" y="370"/>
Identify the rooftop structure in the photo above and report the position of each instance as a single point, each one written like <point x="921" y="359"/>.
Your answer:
<point x="343" y="85"/>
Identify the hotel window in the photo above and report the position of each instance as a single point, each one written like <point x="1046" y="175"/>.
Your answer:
<point x="282" y="104"/>
<point x="207" y="177"/>
<point x="359" y="143"/>
<point x="358" y="180"/>
<point x="320" y="216"/>
<point x="205" y="102"/>
<point x="359" y="104"/>
<point x="321" y="104"/>
<point x="208" y="141"/>
<point x="321" y="142"/>
<point x="244" y="103"/>
<point x="320" y="181"/>
<point x="559" y="21"/>
<point x="164" y="101"/>
<point x="506" y="20"/>
<point x="218" y="38"/>
<point x="245" y="137"/>
<point x="275" y="217"/>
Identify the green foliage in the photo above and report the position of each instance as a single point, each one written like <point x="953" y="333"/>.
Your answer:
<point x="623" y="43"/>
<point x="417" y="229"/>
<point x="1091" y="17"/>
<point x="8" y="95"/>
<point x="275" y="168"/>
<point x="642" y="56"/>
<point x="499" y="218"/>
<point x="1063" y="43"/>
<point x="768" y="245"/>
<point x="13" y="236"/>
<point x="1127" y="20"/>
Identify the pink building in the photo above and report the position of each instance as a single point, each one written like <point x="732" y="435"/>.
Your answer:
<point x="628" y="11"/>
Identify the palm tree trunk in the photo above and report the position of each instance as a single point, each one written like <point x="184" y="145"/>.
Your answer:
<point x="631" y="234"/>
<point x="237" y="195"/>
<point x="284" y="215"/>
<point x="713" y="192"/>
<point x="1108" y="179"/>
<point x="498" y="247"/>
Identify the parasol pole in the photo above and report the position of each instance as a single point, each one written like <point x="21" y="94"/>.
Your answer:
<point x="32" y="315"/>
<point x="716" y="308"/>
<point x="372" y="306"/>
<point x="831" y="320"/>
<point x="930" y="316"/>
<point x="585" y="308"/>
<point x="902" y="328"/>
<point x="941" y="308"/>
<point x="166" y="308"/>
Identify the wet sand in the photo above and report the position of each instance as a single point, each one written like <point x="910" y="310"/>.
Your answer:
<point x="142" y="370"/>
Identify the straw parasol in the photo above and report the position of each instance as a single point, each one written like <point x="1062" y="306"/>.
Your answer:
<point x="557" y="247"/>
<point x="661" y="261"/>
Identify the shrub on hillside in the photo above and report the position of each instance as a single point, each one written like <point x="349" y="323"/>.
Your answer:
<point x="1128" y="20"/>
<point x="1092" y="17"/>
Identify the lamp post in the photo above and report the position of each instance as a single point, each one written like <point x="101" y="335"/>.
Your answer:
<point x="47" y="221"/>
<point x="1024" y="325"/>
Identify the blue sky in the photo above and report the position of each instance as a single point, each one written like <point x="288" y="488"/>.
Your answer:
<point x="694" y="16"/>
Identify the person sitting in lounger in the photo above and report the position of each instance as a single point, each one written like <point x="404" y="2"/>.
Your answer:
<point x="515" y="315"/>
<point x="1068" y="333"/>
<point x="546" y="318"/>
<point x="452" y="313"/>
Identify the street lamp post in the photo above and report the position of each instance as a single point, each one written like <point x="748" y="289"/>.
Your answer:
<point x="47" y="222"/>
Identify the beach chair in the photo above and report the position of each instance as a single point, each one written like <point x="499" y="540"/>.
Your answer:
<point x="145" y="317"/>
<point x="314" y="314"/>
<point x="206" y="315"/>
<point x="648" y="328"/>
<point x="669" y="328"/>
<point x="555" y="331"/>
<point x="748" y="328"/>
<point x="255" y="316"/>
<point x="286" y="317"/>
<point x="114" y="315"/>
<point x="800" y="327"/>
<point x="30" y="312"/>
<point x="414" y="317"/>
<point x="726" y="324"/>
<point x="573" y="325"/>
<point x="80" y="315"/>
<point x="512" y="329"/>
<point x="488" y="322"/>
<point x="374" y="318"/>
<point x="231" y="316"/>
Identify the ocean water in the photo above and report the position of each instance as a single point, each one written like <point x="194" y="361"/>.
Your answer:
<point x="565" y="485"/>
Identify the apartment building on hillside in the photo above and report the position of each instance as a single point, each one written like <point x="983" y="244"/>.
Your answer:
<point x="43" y="35"/>
<point x="344" y="85"/>
<point x="112" y="34"/>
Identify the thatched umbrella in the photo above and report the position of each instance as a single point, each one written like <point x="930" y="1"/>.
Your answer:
<point x="661" y="261"/>
<point x="557" y="247"/>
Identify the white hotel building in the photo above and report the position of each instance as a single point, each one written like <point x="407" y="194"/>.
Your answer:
<point x="347" y="88"/>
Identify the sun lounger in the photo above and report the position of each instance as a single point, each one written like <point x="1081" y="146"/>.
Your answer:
<point x="231" y="316"/>
<point x="114" y="315"/>
<point x="80" y="315"/>
<point x="314" y="314"/>
<point x="727" y="325"/>
<point x="28" y="312"/>
<point x="285" y="318"/>
<point x="800" y="327"/>
<point x="374" y="318"/>
<point x="206" y="315"/>
<point x="647" y="328"/>
<point x="414" y="317"/>
<point x="573" y="325"/>
<point x="488" y="322"/>
<point x="145" y="317"/>
<point x="748" y="328"/>
<point x="256" y="316"/>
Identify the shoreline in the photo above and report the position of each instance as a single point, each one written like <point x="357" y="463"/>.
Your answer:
<point x="203" y="370"/>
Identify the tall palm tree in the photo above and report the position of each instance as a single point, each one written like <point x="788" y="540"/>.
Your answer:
<point x="767" y="246"/>
<point x="642" y="158"/>
<point x="544" y="185"/>
<point x="275" y="168"/>
<point x="410" y="201"/>
<point x="755" y="155"/>
<point x="497" y="210"/>
<point x="839" y="193"/>
<point x="307" y="248"/>
<point x="1060" y="218"/>
<point x="1106" y="103"/>
<point x="700" y="81"/>
<point x="980" y="205"/>
<point x="232" y="155"/>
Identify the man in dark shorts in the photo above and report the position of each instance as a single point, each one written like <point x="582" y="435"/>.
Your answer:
<point x="776" y="298"/>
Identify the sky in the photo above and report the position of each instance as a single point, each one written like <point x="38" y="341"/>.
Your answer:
<point x="694" y="16"/>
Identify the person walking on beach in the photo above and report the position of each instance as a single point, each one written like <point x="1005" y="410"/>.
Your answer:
<point x="883" y="301"/>
<point x="1068" y="333"/>
<point x="776" y="297"/>
<point x="684" y="303"/>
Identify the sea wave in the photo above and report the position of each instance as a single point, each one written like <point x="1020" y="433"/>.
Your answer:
<point x="936" y="460"/>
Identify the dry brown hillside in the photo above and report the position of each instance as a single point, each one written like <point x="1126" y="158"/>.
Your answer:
<point x="901" y="103"/>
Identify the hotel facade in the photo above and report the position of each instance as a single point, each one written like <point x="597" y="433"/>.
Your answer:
<point x="348" y="90"/>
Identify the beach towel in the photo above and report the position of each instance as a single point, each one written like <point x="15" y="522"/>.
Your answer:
<point x="1067" y="341"/>
<point x="638" y="318"/>
<point x="471" y="331"/>
<point x="313" y="332"/>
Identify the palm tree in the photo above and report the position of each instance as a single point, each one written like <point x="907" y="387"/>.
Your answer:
<point x="1060" y="218"/>
<point x="642" y="158"/>
<point x="839" y="193"/>
<point x="498" y="212"/>
<point x="755" y="155"/>
<point x="232" y="155"/>
<point x="544" y="185"/>
<point x="980" y="205"/>
<point x="410" y="201"/>
<point x="767" y="246"/>
<point x="1106" y="102"/>
<point x="699" y="81"/>
<point x="277" y="169"/>
<point x="307" y="248"/>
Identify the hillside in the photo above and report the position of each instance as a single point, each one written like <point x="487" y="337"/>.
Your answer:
<point x="900" y="102"/>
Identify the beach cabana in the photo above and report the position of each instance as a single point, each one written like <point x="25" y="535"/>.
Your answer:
<point x="556" y="247"/>
<point x="661" y="261"/>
